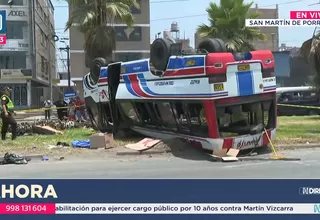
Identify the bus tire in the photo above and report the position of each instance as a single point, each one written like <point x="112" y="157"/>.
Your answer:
<point x="96" y="65"/>
<point x="160" y="53"/>
<point x="212" y="45"/>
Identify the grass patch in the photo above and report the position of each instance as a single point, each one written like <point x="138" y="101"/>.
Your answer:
<point x="290" y="130"/>
<point x="40" y="144"/>
<point x="298" y="129"/>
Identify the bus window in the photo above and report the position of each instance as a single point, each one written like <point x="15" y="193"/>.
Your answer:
<point x="197" y="115"/>
<point x="181" y="116"/>
<point x="190" y="118"/>
<point x="198" y="120"/>
<point x="245" y="118"/>
<point x="143" y="113"/>
<point x="153" y="114"/>
<point x="309" y="95"/>
<point x="166" y="115"/>
<point x="129" y="111"/>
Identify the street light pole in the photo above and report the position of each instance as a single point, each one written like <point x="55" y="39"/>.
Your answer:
<point x="68" y="63"/>
<point x="67" y="50"/>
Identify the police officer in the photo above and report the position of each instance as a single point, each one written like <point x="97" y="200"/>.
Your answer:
<point x="7" y="110"/>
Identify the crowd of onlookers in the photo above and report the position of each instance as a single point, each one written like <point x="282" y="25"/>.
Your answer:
<point x="73" y="110"/>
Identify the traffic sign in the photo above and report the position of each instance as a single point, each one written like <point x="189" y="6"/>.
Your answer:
<point x="70" y="94"/>
<point x="3" y="21"/>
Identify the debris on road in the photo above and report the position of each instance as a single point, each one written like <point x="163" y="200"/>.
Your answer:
<point x="10" y="158"/>
<point x="176" y="146"/>
<point x="81" y="144"/>
<point x="63" y="144"/>
<point x="143" y="145"/>
<point x="59" y="145"/>
<point x="45" y="159"/>
<point x="102" y="140"/>
<point x="26" y="127"/>
<point x="226" y="155"/>
<point x="38" y="129"/>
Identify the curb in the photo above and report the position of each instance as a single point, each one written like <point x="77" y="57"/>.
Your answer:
<point x="147" y="152"/>
<point x="297" y="146"/>
<point x="32" y="157"/>
<point x="282" y="147"/>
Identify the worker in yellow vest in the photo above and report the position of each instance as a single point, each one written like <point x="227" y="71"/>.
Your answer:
<point x="7" y="111"/>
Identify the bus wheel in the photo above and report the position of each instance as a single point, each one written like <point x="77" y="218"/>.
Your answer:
<point x="95" y="68"/>
<point x="212" y="45"/>
<point x="160" y="53"/>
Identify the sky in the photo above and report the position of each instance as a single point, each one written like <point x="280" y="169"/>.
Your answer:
<point x="190" y="13"/>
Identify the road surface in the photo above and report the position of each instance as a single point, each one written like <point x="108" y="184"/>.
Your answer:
<point x="169" y="167"/>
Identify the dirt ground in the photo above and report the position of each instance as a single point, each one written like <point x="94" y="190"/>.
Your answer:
<point x="290" y="131"/>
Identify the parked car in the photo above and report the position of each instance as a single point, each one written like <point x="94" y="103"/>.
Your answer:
<point x="302" y="96"/>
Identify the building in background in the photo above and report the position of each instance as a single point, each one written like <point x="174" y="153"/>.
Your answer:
<point x="272" y="33"/>
<point x="131" y="43"/>
<point x="282" y="67"/>
<point x="174" y="33"/>
<point x="25" y="63"/>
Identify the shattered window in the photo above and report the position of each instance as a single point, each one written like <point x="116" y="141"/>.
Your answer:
<point x="129" y="111"/>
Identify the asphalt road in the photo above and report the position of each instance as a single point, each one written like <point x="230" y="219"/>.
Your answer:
<point x="170" y="167"/>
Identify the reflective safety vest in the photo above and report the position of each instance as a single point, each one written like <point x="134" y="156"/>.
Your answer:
<point x="10" y="104"/>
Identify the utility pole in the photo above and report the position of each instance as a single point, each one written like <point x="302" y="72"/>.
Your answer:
<point x="49" y="65"/>
<point x="67" y="50"/>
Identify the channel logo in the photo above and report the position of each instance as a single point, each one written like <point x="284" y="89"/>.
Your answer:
<point x="309" y="191"/>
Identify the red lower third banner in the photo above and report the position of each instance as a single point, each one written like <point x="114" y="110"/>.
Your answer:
<point x="27" y="209"/>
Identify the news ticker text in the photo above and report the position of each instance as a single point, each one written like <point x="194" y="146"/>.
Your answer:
<point x="169" y="208"/>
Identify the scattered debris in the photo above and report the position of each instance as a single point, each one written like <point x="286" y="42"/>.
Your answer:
<point x="102" y="140"/>
<point x="63" y="144"/>
<point x="143" y="145"/>
<point x="81" y="143"/>
<point x="175" y="145"/>
<point x="10" y="158"/>
<point x="45" y="159"/>
<point x="59" y="145"/>
<point x="226" y="154"/>
<point x="26" y="128"/>
<point x="38" y="129"/>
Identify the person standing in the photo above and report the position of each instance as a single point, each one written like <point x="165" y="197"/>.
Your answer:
<point x="7" y="110"/>
<point x="61" y="108"/>
<point x="83" y="109"/>
<point x="47" y="106"/>
<point x="78" y="113"/>
<point x="71" y="112"/>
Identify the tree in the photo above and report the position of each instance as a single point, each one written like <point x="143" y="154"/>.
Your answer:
<point x="92" y="17"/>
<point x="227" y="22"/>
<point x="310" y="51"/>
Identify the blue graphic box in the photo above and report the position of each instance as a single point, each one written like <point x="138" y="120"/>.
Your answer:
<point x="3" y="19"/>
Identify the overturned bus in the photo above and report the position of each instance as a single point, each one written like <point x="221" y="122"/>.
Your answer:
<point x="211" y="99"/>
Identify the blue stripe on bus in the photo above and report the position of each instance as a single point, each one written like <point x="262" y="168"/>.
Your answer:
<point x="245" y="83"/>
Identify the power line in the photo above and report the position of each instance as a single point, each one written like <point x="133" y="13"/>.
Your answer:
<point x="66" y="6"/>
<point x="200" y="15"/>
